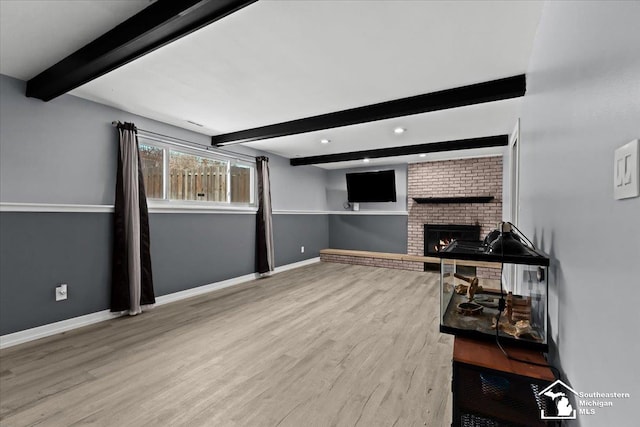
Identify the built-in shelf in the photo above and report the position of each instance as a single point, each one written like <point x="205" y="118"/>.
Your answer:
<point x="455" y="199"/>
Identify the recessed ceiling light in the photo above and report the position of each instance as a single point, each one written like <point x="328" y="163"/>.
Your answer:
<point x="325" y="141"/>
<point x="365" y="160"/>
<point x="423" y="155"/>
<point x="399" y="130"/>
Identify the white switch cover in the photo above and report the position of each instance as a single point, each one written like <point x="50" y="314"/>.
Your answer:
<point x="625" y="171"/>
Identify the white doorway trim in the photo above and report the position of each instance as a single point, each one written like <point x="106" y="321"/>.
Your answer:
<point x="513" y="272"/>
<point x="514" y="173"/>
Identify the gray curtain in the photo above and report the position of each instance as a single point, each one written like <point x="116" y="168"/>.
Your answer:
<point x="131" y="278"/>
<point x="264" y="222"/>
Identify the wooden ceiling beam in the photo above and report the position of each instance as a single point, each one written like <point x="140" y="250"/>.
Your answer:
<point x="494" y="90"/>
<point x="157" y="25"/>
<point x="459" y="144"/>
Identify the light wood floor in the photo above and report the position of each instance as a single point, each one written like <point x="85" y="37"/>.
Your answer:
<point x="324" y="345"/>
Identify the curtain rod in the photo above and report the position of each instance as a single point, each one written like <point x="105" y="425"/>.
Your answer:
<point x="194" y="145"/>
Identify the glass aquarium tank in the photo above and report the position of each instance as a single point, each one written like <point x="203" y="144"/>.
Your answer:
<point x="495" y="287"/>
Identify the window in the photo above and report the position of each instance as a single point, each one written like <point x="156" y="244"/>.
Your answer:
<point x="193" y="175"/>
<point x="152" y="160"/>
<point x="241" y="184"/>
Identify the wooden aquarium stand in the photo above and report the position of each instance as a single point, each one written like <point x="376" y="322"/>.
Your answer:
<point x="491" y="389"/>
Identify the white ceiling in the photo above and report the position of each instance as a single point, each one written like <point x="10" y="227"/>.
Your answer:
<point x="275" y="61"/>
<point x="36" y="34"/>
<point x="472" y="121"/>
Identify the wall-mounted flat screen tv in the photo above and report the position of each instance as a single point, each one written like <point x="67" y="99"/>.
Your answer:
<point x="377" y="186"/>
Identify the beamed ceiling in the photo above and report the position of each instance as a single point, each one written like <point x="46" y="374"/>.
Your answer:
<point x="280" y="76"/>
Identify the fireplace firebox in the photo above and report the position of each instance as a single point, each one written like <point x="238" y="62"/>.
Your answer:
<point x="437" y="236"/>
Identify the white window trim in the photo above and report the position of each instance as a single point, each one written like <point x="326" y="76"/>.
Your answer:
<point x="176" y="206"/>
<point x="167" y="205"/>
<point x="152" y="205"/>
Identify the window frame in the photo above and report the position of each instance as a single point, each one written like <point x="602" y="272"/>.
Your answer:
<point x="168" y="146"/>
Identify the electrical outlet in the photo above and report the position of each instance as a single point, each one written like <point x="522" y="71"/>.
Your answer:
<point x="301" y="249"/>
<point x="61" y="292"/>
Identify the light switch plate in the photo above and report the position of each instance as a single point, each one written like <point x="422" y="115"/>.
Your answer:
<point x="625" y="171"/>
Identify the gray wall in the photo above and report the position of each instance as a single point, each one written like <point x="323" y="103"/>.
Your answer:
<point x="362" y="231"/>
<point x="337" y="189"/>
<point x="190" y="250"/>
<point x="379" y="233"/>
<point x="299" y="188"/>
<point x="64" y="152"/>
<point x="582" y="102"/>
<point x="296" y="187"/>
<point x="39" y="251"/>
<point x="293" y="231"/>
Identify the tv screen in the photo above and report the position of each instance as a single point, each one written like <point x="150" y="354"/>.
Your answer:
<point x="371" y="186"/>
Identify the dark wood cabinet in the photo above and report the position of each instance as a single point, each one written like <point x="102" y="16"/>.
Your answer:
<point x="491" y="390"/>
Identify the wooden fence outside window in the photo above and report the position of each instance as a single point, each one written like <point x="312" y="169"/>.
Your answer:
<point x="204" y="184"/>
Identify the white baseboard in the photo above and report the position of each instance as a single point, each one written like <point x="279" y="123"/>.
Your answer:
<point x="20" y="337"/>
<point x="27" y="335"/>
<point x="296" y="265"/>
<point x="188" y="293"/>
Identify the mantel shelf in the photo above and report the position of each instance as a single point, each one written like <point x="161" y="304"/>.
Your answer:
<point x="454" y="199"/>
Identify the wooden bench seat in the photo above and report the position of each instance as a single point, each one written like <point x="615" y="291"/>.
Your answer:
<point x="403" y="257"/>
<point x="380" y="255"/>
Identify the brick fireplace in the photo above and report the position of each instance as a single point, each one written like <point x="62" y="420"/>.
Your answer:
<point x="453" y="178"/>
